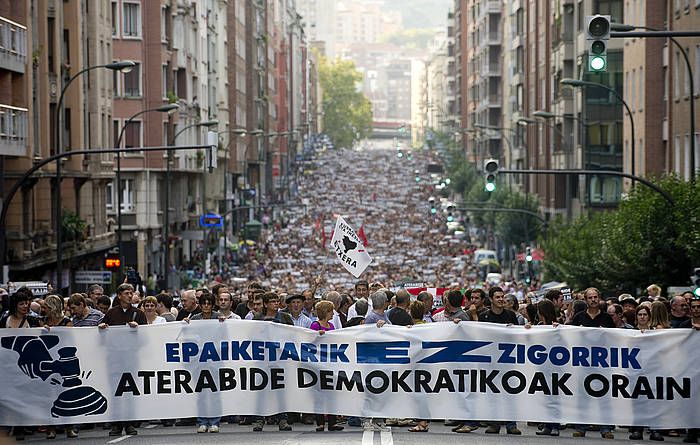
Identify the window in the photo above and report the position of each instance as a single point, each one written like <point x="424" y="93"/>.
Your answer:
<point x="127" y="189"/>
<point x="677" y="77"/>
<point x="164" y="80"/>
<point x="132" y="82"/>
<point x="612" y="8"/>
<point x="115" y="19"/>
<point x="677" y="154"/>
<point x="163" y="24"/>
<point x="131" y="20"/>
<point x="132" y="135"/>
<point x="109" y="196"/>
<point x="686" y="157"/>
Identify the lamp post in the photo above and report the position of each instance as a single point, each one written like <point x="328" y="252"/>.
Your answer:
<point x="124" y="66"/>
<point x="235" y="132"/>
<point x="169" y="108"/>
<point x="626" y="28"/>
<point x="583" y="83"/>
<point x="166" y="214"/>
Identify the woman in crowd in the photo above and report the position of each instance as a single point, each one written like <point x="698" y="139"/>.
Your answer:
<point x="659" y="315"/>
<point x="149" y="308"/>
<point x="547" y="316"/>
<point x="324" y="311"/>
<point x="643" y="318"/>
<point x="16" y="317"/>
<point x="645" y="322"/>
<point x="54" y="312"/>
<point x="417" y="311"/>
<point x="56" y="317"/>
<point x="18" y="314"/>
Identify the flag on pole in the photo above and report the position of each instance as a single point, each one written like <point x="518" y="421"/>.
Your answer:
<point x="349" y="249"/>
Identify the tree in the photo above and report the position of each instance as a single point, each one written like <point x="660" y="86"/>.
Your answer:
<point x="347" y="113"/>
<point x="644" y="241"/>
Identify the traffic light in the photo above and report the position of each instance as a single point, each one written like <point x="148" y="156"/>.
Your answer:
<point x="417" y="173"/>
<point x="695" y="280"/>
<point x="528" y="254"/>
<point x="433" y="209"/>
<point x="597" y="37"/>
<point x="248" y="194"/>
<point x="450" y="215"/>
<point x="490" y="173"/>
<point x="399" y="154"/>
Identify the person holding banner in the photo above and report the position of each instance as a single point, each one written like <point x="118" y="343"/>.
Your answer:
<point x="123" y="314"/>
<point x="324" y="311"/>
<point x="206" y="304"/>
<point x="593" y="317"/>
<point x="547" y="316"/>
<point x="499" y="313"/>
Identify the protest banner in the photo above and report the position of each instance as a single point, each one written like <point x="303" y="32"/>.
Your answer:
<point x="349" y="249"/>
<point x="440" y="370"/>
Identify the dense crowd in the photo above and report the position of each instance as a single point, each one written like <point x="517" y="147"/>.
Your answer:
<point x="369" y="304"/>
<point x="289" y="276"/>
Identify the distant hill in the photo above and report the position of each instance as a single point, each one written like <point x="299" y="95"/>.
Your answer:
<point x="421" y="13"/>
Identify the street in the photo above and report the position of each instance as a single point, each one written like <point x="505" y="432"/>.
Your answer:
<point x="305" y="434"/>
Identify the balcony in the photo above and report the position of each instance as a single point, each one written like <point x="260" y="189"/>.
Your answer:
<point x="13" y="46"/>
<point x="13" y="131"/>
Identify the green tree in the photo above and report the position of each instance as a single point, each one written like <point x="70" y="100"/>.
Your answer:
<point x="644" y="241"/>
<point x="347" y="112"/>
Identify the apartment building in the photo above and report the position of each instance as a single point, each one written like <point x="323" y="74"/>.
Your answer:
<point x="679" y="156"/>
<point x="227" y="66"/>
<point x="45" y="44"/>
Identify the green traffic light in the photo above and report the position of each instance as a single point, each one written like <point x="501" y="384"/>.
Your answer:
<point x="450" y="218"/>
<point x="597" y="63"/>
<point x="697" y="292"/>
<point x="490" y="187"/>
<point x="528" y="258"/>
<point x="433" y="210"/>
<point x="417" y="178"/>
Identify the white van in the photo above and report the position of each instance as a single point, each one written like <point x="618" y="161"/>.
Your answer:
<point x="484" y="254"/>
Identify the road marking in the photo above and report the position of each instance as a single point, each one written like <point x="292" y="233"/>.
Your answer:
<point x="119" y="439"/>
<point x="150" y="426"/>
<point x="387" y="438"/>
<point x="368" y="437"/>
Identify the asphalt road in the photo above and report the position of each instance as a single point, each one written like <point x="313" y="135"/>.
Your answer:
<point x="305" y="435"/>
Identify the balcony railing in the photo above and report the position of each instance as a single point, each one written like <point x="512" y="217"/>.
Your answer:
<point x="13" y="130"/>
<point x="13" y="45"/>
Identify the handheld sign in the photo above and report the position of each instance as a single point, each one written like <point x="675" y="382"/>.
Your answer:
<point x="349" y="248"/>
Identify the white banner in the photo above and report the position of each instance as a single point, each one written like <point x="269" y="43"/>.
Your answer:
<point x="349" y="249"/>
<point x="469" y="370"/>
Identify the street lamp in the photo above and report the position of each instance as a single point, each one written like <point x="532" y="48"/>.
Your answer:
<point x="124" y="66"/>
<point x="166" y="215"/>
<point x="168" y="108"/>
<point x="583" y="83"/>
<point x="621" y="27"/>
<point x="235" y="132"/>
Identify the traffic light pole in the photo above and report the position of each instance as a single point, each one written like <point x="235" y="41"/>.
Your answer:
<point x="23" y="179"/>
<point x="643" y="181"/>
<point x="670" y="35"/>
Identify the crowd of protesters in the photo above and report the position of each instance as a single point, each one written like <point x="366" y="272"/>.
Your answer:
<point x="371" y="304"/>
<point x="289" y="276"/>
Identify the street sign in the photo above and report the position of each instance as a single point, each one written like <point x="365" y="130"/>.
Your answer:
<point x="93" y="277"/>
<point x="211" y="220"/>
<point x="38" y="288"/>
